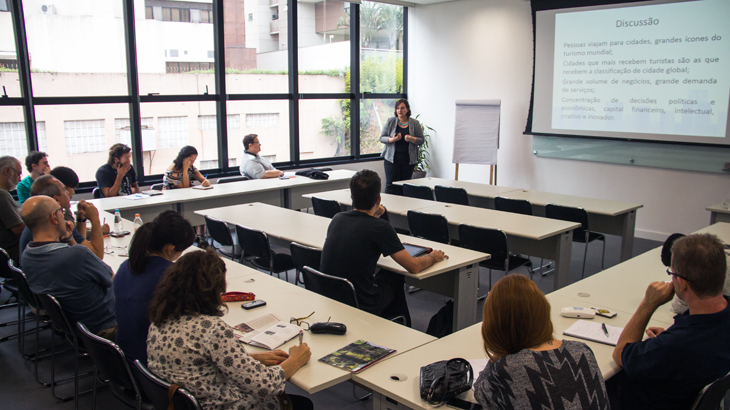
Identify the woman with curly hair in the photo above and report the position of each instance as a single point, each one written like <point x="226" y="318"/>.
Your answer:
<point x="190" y="345"/>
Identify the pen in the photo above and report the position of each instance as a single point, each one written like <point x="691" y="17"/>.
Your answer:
<point x="301" y="337"/>
<point x="603" y="325"/>
<point x="104" y="221"/>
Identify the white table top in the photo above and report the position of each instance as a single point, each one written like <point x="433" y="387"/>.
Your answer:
<point x="718" y="208"/>
<point x="286" y="300"/>
<point x="311" y="230"/>
<point x="395" y="204"/>
<point x="219" y="190"/>
<point x="473" y="188"/>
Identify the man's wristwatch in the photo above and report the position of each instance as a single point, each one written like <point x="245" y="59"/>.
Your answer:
<point x="82" y="220"/>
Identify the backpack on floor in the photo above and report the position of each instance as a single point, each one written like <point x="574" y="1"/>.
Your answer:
<point x="442" y="323"/>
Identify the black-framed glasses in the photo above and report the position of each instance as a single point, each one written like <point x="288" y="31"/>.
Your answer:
<point x="20" y="173"/>
<point x="299" y="321"/>
<point x="670" y="273"/>
<point x="62" y="209"/>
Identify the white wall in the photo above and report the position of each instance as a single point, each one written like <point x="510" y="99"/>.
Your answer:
<point x="482" y="49"/>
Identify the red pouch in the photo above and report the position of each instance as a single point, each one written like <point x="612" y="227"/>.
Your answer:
<point x="237" y="296"/>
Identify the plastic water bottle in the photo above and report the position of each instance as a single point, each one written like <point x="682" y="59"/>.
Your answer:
<point x="117" y="221"/>
<point x="137" y="222"/>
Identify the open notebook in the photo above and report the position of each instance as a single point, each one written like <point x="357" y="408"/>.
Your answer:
<point x="593" y="331"/>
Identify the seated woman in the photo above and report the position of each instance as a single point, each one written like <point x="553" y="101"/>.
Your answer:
<point x="182" y="172"/>
<point x="528" y="368"/>
<point x="190" y="345"/>
<point x="152" y="250"/>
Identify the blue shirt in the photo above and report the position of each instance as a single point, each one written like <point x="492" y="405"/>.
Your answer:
<point x="80" y="281"/>
<point x="668" y="371"/>
<point x="132" y="294"/>
<point x="27" y="237"/>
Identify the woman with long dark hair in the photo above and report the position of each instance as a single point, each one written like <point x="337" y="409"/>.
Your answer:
<point x="528" y="367"/>
<point x="152" y="250"/>
<point x="401" y="135"/>
<point x="181" y="173"/>
<point x="190" y="345"/>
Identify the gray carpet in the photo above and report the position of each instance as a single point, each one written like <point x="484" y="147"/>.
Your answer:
<point x="20" y="391"/>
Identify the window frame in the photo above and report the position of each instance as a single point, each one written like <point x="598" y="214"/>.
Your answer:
<point x="133" y="98"/>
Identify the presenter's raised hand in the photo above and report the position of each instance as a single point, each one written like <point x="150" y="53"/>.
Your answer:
<point x="395" y="138"/>
<point x="410" y="138"/>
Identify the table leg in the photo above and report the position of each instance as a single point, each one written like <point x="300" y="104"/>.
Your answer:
<point x="713" y="217"/>
<point x="563" y="249"/>
<point x="286" y="198"/>
<point x="627" y="235"/>
<point x="466" y="285"/>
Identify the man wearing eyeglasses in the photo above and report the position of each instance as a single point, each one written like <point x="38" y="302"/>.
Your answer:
<point x="11" y="225"/>
<point x="670" y="367"/>
<point x="79" y="280"/>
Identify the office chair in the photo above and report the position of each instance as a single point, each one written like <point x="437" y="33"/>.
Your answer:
<point x="581" y="234"/>
<point x="417" y="191"/>
<point x="451" y="195"/>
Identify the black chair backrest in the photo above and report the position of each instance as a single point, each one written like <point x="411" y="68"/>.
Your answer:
<point x="253" y="242"/>
<point x="451" y="195"/>
<point x="303" y="255"/>
<point x="339" y="289"/>
<point x="711" y="396"/>
<point x="516" y="206"/>
<point x="157" y="187"/>
<point x="417" y="191"/>
<point x="156" y="391"/>
<point x="23" y="288"/>
<point x="570" y="214"/>
<point x="96" y="192"/>
<point x="58" y="319"/>
<point x="109" y="360"/>
<point x="429" y="226"/>
<point x="491" y="241"/>
<point x="325" y="207"/>
<point x="226" y="180"/>
<point x="218" y="230"/>
<point x="5" y="262"/>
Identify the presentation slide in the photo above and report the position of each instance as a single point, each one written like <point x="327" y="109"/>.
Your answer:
<point x="660" y="70"/>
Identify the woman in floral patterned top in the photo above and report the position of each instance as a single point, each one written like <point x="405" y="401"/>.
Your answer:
<point x="181" y="173"/>
<point x="190" y="345"/>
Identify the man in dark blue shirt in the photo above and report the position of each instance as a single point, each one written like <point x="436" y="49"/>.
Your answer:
<point x="670" y="367"/>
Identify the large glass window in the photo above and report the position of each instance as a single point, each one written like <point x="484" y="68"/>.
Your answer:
<point x="268" y="119"/>
<point x="77" y="49"/>
<point x="381" y="48"/>
<point x="8" y="55"/>
<point x="324" y="128"/>
<point x="373" y="115"/>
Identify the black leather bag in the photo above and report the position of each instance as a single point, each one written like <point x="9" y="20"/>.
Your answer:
<point x="313" y="173"/>
<point x="444" y="380"/>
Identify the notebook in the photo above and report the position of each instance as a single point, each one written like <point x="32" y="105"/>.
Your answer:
<point x="593" y="331"/>
<point x="357" y="356"/>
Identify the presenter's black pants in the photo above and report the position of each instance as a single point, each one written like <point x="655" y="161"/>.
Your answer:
<point x="396" y="172"/>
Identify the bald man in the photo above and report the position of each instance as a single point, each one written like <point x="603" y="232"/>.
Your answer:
<point x="79" y="280"/>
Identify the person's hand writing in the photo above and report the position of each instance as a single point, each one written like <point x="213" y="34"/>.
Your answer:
<point x="395" y="138"/>
<point x="122" y="169"/>
<point x="659" y="293"/>
<point x="300" y="354"/>
<point x="379" y="212"/>
<point x="654" y="331"/>
<point x="205" y="183"/>
<point x="438" y="256"/>
<point x="410" y="138"/>
<point x="105" y="229"/>
<point x="272" y="358"/>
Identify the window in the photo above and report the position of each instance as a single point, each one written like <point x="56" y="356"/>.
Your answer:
<point x="324" y="47"/>
<point x="84" y="136"/>
<point x="323" y="129"/>
<point x="373" y="115"/>
<point x="173" y="131"/>
<point x="381" y="48"/>
<point x="12" y="139"/>
<point x="207" y="122"/>
<point x="173" y="53"/>
<point x="206" y="16"/>
<point x="262" y="120"/>
<point x="211" y="54"/>
<point x="213" y="163"/>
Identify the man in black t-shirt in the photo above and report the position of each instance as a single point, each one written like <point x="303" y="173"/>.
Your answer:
<point x="355" y="241"/>
<point x="117" y="176"/>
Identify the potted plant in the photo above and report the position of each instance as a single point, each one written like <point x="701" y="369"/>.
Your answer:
<point x="424" y="157"/>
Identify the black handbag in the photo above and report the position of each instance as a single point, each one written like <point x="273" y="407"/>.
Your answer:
<point x="444" y="380"/>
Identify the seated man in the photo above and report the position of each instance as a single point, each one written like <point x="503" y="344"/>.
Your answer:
<point x="117" y="176"/>
<point x="11" y="226"/>
<point x="252" y="164"/>
<point x="670" y="367"/>
<point x="70" y="180"/>
<point x="37" y="165"/>
<point x="80" y="281"/>
<point x="49" y="186"/>
<point x="355" y="241"/>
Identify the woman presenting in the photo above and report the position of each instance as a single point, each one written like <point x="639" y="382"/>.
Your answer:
<point x="401" y="136"/>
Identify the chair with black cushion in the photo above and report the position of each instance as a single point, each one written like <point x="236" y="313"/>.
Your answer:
<point x="515" y="206"/>
<point x="398" y="230"/>
<point x="302" y="256"/>
<point x="218" y="230"/>
<point x="226" y="180"/>
<point x="581" y="234"/>
<point x="256" y="244"/>
<point x="712" y="396"/>
<point x="111" y="365"/>
<point x="493" y="242"/>
<point x="157" y="391"/>
<point x="9" y="284"/>
<point x="417" y="191"/>
<point x="96" y="193"/>
<point x="451" y="195"/>
<point x="325" y="207"/>
<point x="433" y="227"/>
<point x="333" y="287"/>
<point x="61" y="325"/>
<point x="157" y="187"/>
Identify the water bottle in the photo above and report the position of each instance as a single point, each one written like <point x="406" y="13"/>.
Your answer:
<point x="137" y="222"/>
<point x="117" y="221"/>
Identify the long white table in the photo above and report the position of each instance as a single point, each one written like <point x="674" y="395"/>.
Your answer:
<point x="611" y="217"/>
<point x="531" y="235"/>
<point x="718" y="213"/>
<point x="285" y="300"/>
<point x="455" y="277"/>
<point x="281" y="192"/>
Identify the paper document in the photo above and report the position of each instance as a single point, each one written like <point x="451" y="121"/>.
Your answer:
<point x="289" y="174"/>
<point x="593" y="331"/>
<point x="276" y="335"/>
<point x="203" y="187"/>
<point x="135" y="197"/>
<point x="254" y="327"/>
<point x="477" y="366"/>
